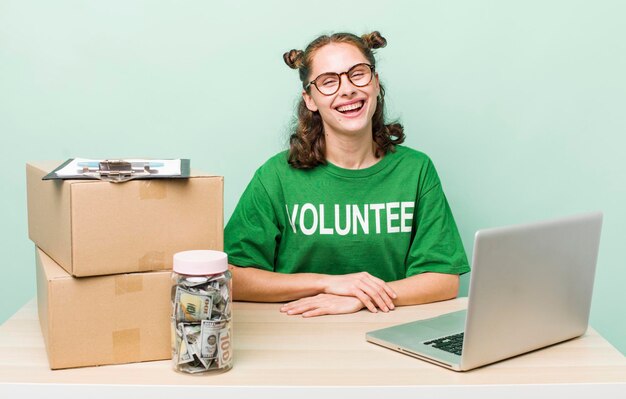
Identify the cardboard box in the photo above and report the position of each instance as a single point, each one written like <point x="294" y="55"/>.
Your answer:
<point x="102" y="320"/>
<point x="92" y="227"/>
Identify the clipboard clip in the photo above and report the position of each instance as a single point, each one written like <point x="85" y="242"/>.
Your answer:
<point x="118" y="171"/>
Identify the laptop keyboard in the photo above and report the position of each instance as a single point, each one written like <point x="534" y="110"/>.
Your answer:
<point x="451" y="343"/>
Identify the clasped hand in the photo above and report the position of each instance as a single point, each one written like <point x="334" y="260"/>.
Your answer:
<point x="346" y="293"/>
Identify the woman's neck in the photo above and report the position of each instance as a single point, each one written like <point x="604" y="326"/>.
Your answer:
<point x="356" y="151"/>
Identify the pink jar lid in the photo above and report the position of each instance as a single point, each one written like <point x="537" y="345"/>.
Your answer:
<point x="200" y="262"/>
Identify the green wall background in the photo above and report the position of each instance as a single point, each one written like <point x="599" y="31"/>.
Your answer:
<point x="520" y="104"/>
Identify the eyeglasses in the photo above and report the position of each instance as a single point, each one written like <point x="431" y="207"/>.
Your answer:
<point x="328" y="83"/>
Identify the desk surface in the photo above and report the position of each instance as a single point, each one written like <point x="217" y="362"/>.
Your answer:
<point x="273" y="349"/>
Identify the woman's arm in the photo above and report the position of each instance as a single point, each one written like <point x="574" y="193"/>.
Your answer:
<point x="252" y="284"/>
<point x="425" y="288"/>
<point x="417" y="289"/>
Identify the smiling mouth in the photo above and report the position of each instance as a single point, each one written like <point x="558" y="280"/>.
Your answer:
<point x="351" y="108"/>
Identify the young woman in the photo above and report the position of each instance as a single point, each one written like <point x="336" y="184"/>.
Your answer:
<point x="347" y="218"/>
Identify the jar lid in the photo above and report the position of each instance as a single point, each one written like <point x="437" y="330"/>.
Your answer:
<point x="200" y="262"/>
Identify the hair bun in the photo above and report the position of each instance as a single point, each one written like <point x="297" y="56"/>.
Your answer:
<point x="374" y="40"/>
<point x="294" y="58"/>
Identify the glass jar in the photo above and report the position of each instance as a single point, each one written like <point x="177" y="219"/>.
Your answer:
<point x="201" y="312"/>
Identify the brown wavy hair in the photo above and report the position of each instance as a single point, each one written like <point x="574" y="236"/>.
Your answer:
<point x="307" y="144"/>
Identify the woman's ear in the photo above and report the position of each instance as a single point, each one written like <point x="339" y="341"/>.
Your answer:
<point x="377" y="83"/>
<point x="309" y="102"/>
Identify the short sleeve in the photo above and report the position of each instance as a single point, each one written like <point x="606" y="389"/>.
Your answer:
<point x="251" y="235"/>
<point x="436" y="245"/>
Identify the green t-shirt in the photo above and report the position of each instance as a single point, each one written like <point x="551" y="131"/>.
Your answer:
<point x="391" y="220"/>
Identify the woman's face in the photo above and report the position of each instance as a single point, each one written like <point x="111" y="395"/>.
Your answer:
<point x="350" y="109"/>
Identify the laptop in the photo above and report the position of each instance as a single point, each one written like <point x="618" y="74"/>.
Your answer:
<point x="530" y="287"/>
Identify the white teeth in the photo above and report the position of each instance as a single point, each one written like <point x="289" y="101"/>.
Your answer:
<point x="350" y="107"/>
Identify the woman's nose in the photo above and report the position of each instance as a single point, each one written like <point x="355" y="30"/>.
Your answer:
<point x="346" y="87"/>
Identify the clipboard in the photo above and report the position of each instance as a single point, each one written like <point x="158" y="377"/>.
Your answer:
<point x="120" y="170"/>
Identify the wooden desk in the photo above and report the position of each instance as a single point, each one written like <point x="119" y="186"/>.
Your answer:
<point x="278" y="355"/>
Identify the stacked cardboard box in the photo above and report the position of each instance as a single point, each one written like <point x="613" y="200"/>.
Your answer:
<point x="104" y="254"/>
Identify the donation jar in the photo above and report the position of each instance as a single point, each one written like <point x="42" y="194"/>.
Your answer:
<point x="201" y="312"/>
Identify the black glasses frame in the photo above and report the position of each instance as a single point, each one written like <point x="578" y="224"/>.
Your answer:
<point x="347" y="73"/>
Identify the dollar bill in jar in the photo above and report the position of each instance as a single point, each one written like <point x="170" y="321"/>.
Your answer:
<point x="201" y="312"/>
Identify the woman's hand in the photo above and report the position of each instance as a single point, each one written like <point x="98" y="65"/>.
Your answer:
<point x="369" y="290"/>
<point x="323" y="304"/>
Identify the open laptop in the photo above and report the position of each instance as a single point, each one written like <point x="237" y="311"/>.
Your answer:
<point x="530" y="287"/>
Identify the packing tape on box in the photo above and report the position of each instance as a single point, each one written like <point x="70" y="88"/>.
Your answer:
<point x="128" y="283"/>
<point x="126" y="345"/>
<point x="152" y="260"/>
<point x="152" y="190"/>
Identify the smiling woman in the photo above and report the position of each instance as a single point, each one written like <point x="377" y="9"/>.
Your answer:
<point x="347" y="218"/>
<point x="308" y="143"/>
